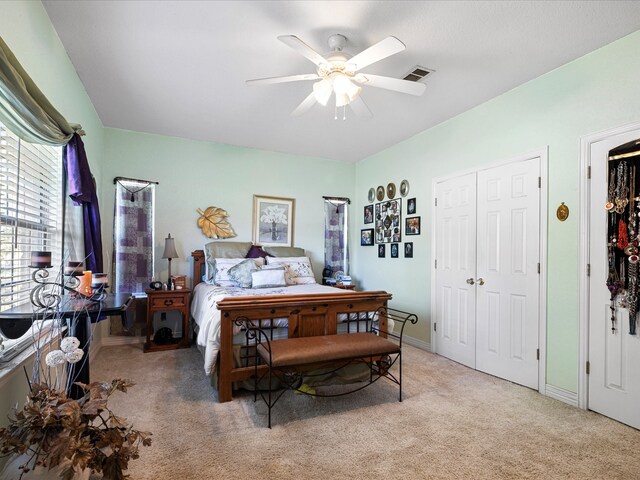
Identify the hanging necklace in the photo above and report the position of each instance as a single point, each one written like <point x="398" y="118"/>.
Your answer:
<point x="632" y="297"/>
<point x="621" y="199"/>
<point x="612" y="187"/>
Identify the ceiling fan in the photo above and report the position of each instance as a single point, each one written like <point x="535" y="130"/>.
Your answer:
<point x="339" y="74"/>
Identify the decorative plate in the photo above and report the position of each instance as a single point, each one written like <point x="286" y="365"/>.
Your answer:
<point x="404" y="188"/>
<point x="391" y="190"/>
<point x="380" y="193"/>
<point x="372" y="195"/>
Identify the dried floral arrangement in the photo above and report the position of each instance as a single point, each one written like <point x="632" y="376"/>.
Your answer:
<point x="53" y="429"/>
<point x="62" y="433"/>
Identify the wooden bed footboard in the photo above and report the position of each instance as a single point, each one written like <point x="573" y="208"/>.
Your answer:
<point x="307" y="315"/>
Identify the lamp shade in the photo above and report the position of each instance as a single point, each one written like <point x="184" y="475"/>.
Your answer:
<point x="169" y="248"/>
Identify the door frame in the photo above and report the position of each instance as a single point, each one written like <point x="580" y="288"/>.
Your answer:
<point x="583" y="277"/>
<point x="543" y="154"/>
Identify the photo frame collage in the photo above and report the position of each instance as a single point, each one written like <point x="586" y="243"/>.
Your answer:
<point x="385" y="218"/>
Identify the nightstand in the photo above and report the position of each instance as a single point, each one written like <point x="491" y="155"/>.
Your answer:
<point x="351" y="286"/>
<point x="164" y="301"/>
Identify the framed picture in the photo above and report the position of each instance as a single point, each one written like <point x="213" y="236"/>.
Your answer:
<point x="412" y="226"/>
<point x="273" y="221"/>
<point x="366" y="237"/>
<point x="408" y="250"/>
<point x="368" y="214"/>
<point x="381" y="250"/>
<point x="394" y="250"/>
<point x="411" y="206"/>
<point x="388" y="221"/>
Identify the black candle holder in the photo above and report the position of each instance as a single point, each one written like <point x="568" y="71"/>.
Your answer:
<point x="47" y="293"/>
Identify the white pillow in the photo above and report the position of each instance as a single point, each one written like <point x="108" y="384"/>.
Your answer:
<point x="268" y="277"/>
<point x="223" y="265"/>
<point x="297" y="270"/>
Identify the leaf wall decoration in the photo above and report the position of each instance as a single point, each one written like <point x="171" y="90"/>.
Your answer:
<point x="213" y="223"/>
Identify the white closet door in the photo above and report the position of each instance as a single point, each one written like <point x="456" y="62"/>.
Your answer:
<point x="507" y="282"/>
<point x="456" y="257"/>
<point x="614" y="357"/>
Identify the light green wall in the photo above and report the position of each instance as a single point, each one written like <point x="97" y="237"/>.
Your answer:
<point x="26" y="29"/>
<point x="196" y="175"/>
<point x="594" y="93"/>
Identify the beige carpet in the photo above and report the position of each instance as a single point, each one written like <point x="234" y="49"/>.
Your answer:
<point x="454" y="423"/>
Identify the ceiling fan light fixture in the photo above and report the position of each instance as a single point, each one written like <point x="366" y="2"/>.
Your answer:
<point x="322" y="91"/>
<point x="345" y="89"/>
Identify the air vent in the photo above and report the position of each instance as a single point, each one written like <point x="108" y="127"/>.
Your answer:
<point x="418" y="73"/>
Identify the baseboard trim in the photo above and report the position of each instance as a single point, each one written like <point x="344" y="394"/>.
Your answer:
<point x="414" y="342"/>
<point x="112" y="341"/>
<point x="561" y="394"/>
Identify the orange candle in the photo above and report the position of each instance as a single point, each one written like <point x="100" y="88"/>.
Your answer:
<point x="85" y="283"/>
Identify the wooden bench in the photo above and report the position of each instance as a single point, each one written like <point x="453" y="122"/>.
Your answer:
<point x="287" y="358"/>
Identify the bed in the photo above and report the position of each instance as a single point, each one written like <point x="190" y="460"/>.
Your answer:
<point x="298" y="310"/>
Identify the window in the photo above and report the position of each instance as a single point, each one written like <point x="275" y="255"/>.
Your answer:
<point x="336" y="252"/>
<point x="30" y="216"/>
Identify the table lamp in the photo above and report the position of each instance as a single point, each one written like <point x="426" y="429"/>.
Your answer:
<point x="169" y="253"/>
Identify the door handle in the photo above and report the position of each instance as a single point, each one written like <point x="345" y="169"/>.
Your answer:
<point x="480" y="281"/>
<point x="470" y="281"/>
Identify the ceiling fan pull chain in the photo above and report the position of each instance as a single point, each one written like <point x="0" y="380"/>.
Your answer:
<point x="335" y="113"/>
<point x="344" y="112"/>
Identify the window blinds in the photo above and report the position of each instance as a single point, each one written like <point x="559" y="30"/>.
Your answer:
<point x="30" y="212"/>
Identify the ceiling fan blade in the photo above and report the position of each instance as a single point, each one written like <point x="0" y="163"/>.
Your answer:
<point x="383" y="49"/>
<point x="360" y="108"/>
<point x="303" y="49"/>
<point x="288" y="78"/>
<point x="306" y="104"/>
<point x="389" y="83"/>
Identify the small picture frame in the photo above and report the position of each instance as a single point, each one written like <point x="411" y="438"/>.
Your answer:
<point x="411" y="206"/>
<point x="366" y="237"/>
<point x="408" y="250"/>
<point x="394" y="250"/>
<point x="412" y="226"/>
<point x="381" y="250"/>
<point x="368" y="214"/>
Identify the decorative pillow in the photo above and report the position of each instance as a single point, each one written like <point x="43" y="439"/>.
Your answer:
<point x="240" y="274"/>
<point x="223" y="265"/>
<point x="265" y="278"/>
<point x="298" y="270"/>
<point x="284" y="251"/>
<point x="213" y="250"/>
<point x="256" y="251"/>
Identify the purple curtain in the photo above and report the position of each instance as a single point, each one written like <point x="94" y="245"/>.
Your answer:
<point x="81" y="188"/>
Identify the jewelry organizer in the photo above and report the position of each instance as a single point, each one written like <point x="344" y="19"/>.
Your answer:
<point x="623" y="236"/>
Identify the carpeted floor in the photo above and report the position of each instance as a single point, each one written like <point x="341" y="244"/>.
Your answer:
<point x="454" y="423"/>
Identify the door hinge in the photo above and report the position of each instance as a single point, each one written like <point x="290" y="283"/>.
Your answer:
<point x="538" y="267"/>
<point x="539" y="182"/>
<point x="537" y="354"/>
<point x="435" y="327"/>
<point x="588" y="368"/>
<point x="435" y="264"/>
<point x="589" y="172"/>
<point x="588" y="269"/>
<point x="436" y="201"/>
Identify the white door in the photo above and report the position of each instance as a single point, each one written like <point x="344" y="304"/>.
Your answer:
<point x="614" y="357"/>
<point x="455" y="270"/>
<point x="507" y="271"/>
<point x="487" y="246"/>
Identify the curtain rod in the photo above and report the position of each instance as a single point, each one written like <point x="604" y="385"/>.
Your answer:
<point x="117" y="179"/>
<point x="341" y="199"/>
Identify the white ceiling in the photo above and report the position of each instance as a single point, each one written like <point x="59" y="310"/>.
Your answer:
<point x="178" y="68"/>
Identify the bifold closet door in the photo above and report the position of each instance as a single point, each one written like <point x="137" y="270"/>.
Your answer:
<point x="507" y="284"/>
<point x="455" y="271"/>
